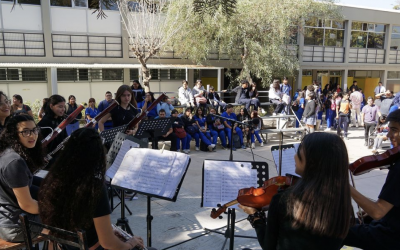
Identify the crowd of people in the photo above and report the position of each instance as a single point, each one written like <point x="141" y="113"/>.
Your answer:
<point x="316" y="213"/>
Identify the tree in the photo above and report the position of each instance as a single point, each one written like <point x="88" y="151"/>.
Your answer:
<point x="397" y="5"/>
<point x="150" y="27"/>
<point x="257" y="36"/>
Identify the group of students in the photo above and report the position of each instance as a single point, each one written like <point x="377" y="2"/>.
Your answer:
<point x="73" y="194"/>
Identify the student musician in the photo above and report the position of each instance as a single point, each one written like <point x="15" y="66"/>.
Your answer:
<point x="74" y="196"/>
<point x="316" y="212"/>
<point x="384" y="230"/>
<point x="54" y="115"/>
<point x="20" y="157"/>
<point x="124" y="112"/>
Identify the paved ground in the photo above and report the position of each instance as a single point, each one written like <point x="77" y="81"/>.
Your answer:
<point x="184" y="219"/>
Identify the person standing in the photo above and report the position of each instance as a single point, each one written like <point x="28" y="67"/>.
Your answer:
<point x="300" y="102"/>
<point x="368" y="118"/>
<point x="138" y="91"/>
<point x="103" y="105"/>
<point x="353" y="86"/>
<point x="356" y="99"/>
<point x="343" y="113"/>
<point x="383" y="231"/>
<point x="285" y="89"/>
<point x="309" y="112"/>
<point x="185" y="95"/>
<point x="71" y="107"/>
<point x="379" y="89"/>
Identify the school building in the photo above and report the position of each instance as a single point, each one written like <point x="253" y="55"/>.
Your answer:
<point x="59" y="46"/>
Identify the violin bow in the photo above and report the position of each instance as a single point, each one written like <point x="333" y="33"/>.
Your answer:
<point x="62" y="126"/>
<point x="360" y="217"/>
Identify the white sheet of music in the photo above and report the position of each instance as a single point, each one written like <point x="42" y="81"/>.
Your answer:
<point x="151" y="171"/>
<point x="288" y="163"/>
<point x="126" y="146"/>
<point x="223" y="179"/>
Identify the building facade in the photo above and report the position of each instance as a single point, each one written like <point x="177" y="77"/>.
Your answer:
<point x="56" y="46"/>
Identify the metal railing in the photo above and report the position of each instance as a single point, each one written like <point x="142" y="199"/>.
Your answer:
<point x="363" y="55"/>
<point x="323" y="54"/>
<point x="394" y="57"/>
<point x="86" y="46"/>
<point x="22" y="44"/>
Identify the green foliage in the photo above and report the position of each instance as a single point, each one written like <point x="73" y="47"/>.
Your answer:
<point x="255" y="37"/>
<point x="35" y="107"/>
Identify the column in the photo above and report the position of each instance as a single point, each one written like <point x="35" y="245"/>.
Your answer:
<point x="219" y="79"/>
<point x="347" y="38"/>
<point x="47" y="30"/>
<point x="345" y="74"/>
<point x="299" y="79"/>
<point x="384" y="78"/>
<point x="388" y="37"/>
<point x="127" y="76"/>
<point x="52" y="75"/>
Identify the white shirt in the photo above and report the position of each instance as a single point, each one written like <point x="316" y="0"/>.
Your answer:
<point x="356" y="98"/>
<point x="379" y="90"/>
<point x="185" y="95"/>
<point x="274" y="94"/>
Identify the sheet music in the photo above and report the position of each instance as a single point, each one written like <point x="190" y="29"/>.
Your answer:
<point x="223" y="179"/>
<point x="296" y="146"/>
<point x="288" y="163"/>
<point x="126" y="146"/>
<point x="151" y="171"/>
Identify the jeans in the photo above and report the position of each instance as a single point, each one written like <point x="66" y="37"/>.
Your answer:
<point x="343" y="120"/>
<point x="249" y="102"/>
<point x="221" y="135"/>
<point x="257" y="134"/>
<point x="204" y="137"/>
<point x="355" y="114"/>
<point x="368" y="129"/>
<point x="184" y="143"/>
<point x="330" y="118"/>
<point x="238" y="131"/>
<point x="299" y="115"/>
<point x="188" y="140"/>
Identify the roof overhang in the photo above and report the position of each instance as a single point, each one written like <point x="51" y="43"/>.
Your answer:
<point x="107" y="66"/>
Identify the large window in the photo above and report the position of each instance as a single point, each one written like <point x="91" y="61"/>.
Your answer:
<point x="9" y="74"/>
<point x="395" y="39"/>
<point x="134" y="74"/>
<point x="324" y="33"/>
<point x="168" y="74"/>
<point x="89" y="75"/>
<point x="69" y="3"/>
<point x="34" y="2"/>
<point x="367" y="35"/>
<point x="112" y="74"/>
<point x="32" y="74"/>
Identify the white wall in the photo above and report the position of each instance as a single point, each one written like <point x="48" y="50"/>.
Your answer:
<point x="26" y="17"/>
<point x="71" y="20"/>
<point x="108" y="26"/>
<point x="28" y="90"/>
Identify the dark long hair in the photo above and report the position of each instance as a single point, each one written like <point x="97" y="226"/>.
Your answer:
<point x="71" y="190"/>
<point x="121" y="91"/>
<point x="53" y="100"/>
<point x="9" y="138"/>
<point x="321" y="202"/>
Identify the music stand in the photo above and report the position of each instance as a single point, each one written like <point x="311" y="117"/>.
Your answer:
<point x="149" y="218"/>
<point x="109" y="135"/>
<point x="262" y="176"/>
<point x="158" y="126"/>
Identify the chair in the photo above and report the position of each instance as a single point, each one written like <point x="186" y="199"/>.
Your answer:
<point x="64" y="237"/>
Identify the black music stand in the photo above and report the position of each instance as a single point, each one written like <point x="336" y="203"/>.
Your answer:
<point x="157" y="127"/>
<point x="262" y="176"/>
<point x="108" y="135"/>
<point x="111" y="155"/>
<point x="123" y="222"/>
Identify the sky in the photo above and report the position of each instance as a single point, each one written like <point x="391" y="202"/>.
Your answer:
<point x="376" y="4"/>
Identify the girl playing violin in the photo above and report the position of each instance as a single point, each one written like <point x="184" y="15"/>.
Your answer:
<point x="316" y="212"/>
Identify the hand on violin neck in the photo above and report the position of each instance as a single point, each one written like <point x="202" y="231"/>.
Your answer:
<point x="248" y="210"/>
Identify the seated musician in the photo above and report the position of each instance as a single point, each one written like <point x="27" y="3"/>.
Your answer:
<point x="384" y="230"/>
<point x="20" y="157"/>
<point x="124" y="112"/>
<point x="73" y="195"/>
<point x="316" y="212"/>
<point x="169" y="136"/>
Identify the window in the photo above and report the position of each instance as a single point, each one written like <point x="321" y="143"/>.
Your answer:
<point x="9" y="74"/>
<point x="83" y="74"/>
<point x="367" y="35"/>
<point x="34" y="2"/>
<point x="134" y="74"/>
<point x="393" y="74"/>
<point x="154" y="74"/>
<point x="324" y="33"/>
<point x="32" y="74"/>
<point x="95" y="74"/>
<point x="112" y="74"/>
<point x="94" y="4"/>
<point x="177" y="74"/>
<point x="69" y="3"/>
<point x="395" y="39"/>
<point x="3" y="74"/>
<point x="66" y="75"/>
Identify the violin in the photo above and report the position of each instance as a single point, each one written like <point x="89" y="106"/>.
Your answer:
<point x="367" y="163"/>
<point x="258" y="197"/>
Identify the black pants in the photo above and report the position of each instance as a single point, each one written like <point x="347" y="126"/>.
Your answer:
<point x="171" y="137"/>
<point x="248" y="102"/>
<point x="368" y="129"/>
<point x="279" y="106"/>
<point x="343" y="120"/>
